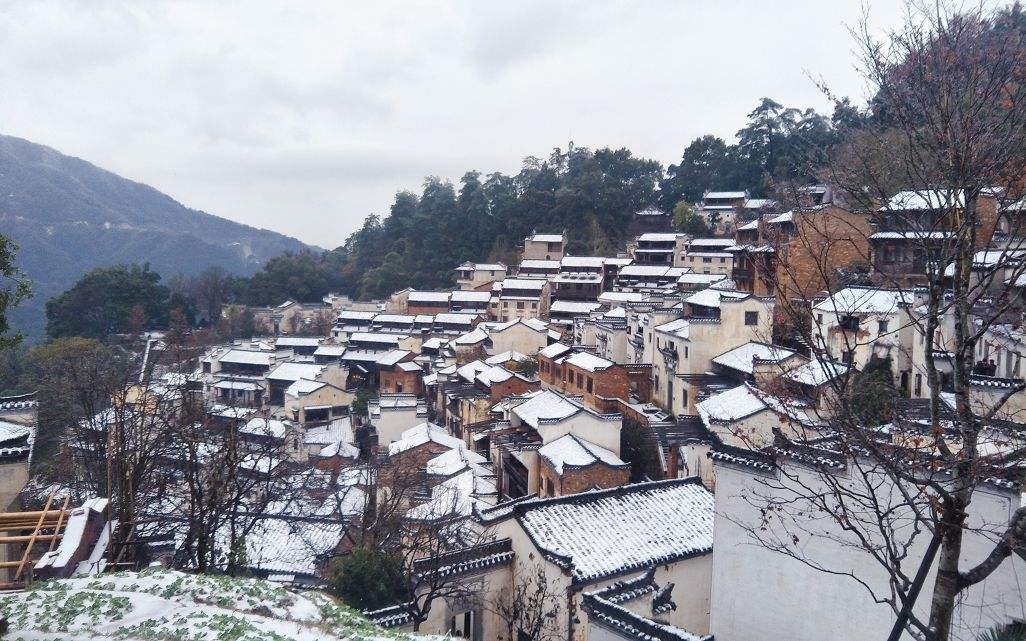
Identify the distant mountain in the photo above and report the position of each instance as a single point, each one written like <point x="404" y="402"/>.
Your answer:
<point x="68" y="216"/>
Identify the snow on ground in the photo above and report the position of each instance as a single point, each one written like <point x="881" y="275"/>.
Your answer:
<point x="159" y="604"/>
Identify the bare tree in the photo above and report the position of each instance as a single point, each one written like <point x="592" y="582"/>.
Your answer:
<point x="948" y="129"/>
<point x="529" y="608"/>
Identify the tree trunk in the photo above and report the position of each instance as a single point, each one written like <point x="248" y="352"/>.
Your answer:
<point x="946" y="587"/>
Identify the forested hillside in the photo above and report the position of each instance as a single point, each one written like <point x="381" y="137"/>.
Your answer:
<point x="590" y="194"/>
<point x="68" y="216"/>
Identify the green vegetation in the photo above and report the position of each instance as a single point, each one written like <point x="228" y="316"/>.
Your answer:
<point x="368" y="579"/>
<point x="112" y="300"/>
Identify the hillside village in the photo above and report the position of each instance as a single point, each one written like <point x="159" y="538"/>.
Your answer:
<point x="599" y="430"/>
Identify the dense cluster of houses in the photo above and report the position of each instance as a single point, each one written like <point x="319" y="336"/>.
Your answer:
<point x="602" y="417"/>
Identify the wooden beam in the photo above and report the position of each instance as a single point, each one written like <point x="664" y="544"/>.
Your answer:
<point x="26" y="539"/>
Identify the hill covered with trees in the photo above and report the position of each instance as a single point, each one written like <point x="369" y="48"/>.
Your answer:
<point x="68" y="216"/>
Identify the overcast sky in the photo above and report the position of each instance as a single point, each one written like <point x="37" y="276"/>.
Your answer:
<point x="304" y="117"/>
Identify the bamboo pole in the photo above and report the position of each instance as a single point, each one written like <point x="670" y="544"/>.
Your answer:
<point x="60" y="522"/>
<point x="35" y="533"/>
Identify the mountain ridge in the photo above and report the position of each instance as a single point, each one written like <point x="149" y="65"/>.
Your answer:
<point x="68" y="216"/>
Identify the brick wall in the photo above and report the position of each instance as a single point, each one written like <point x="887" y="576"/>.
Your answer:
<point x="397" y="381"/>
<point x="574" y="480"/>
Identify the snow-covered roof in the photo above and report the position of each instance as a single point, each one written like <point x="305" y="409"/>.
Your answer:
<point x="303" y="387"/>
<point x="330" y="350"/>
<point x="740" y="358"/>
<point x="925" y="199"/>
<point x="390" y="358"/>
<point x="622" y="297"/>
<point x="452" y="461"/>
<point x="679" y="328"/>
<point x="582" y="261"/>
<point x="646" y="270"/>
<point x="523" y="283"/>
<point x="991" y="259"/>
<point x="700" y="279"/>
<point x="573" y="307"/>
<point x="247" y="357"/>
<point x="785" y="217"/>
<point x="266" y="427"/>
<point x="352" y="314"/>
<point x="245" y="386"/>
<point x="535" y="263"/>
<point x="910" y="235"/>
<point x="461" y="296"/>
<point x="554" y="350"/>
<point x="749" y="226"/>
<point x="710" y="242"/>
<point x="533" y="323"/>
<point x="545" y="405"/>
<point x="457" y="495"/>
<point x="608" y="532"/>
<point x="865" y="300"/>
<point x="296" y="371"/>
<point x="576" y="452"/>
<point x="711" y="296"/>
<point x="817" y="372"/>
<point x="732" y="405"/>
<point x="505" y="357"/>
<point x="470" y="371"/>
<point x="494" y="374"/>
<point x="720" y="195"/>
<point x="297" y="341"/>
<point x="428" y="297"/>
<point x="546" y="238"/>
<point x="473" y="337"/>
<point x="421" y="434"/>
<point x="589" y="362"/>
<point x="375" y="337"/>
<point x="656" y="237"/>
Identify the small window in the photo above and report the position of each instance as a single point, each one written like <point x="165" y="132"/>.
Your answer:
<point x="723" y="260"/>
<point x="848" y="357"/>
<point x="520" y="305"/>
<point x="751" y="318"/>
<point x="881" y="327"/>
<point x="706" y="259"/>
<point x="589" y="384"/>
<point x="819" y="318"/>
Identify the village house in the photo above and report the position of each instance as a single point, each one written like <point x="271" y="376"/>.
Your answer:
<point x="747" y="602"/>
<point x="520" y="298"/>
<point x="682" y="350"/>
<point x="708" y="256"/>
<point x="648" y="278"/>
<point x="911" y="229"/>
<point x="790" y="255"/>
<point x="600" y="383"/>
<point x="663" y="249"/>
<point x="477" y="276"/>
<point x="535" y="268"/>
<point x="523" y="335"/>
<point x="535" y="420"/>
<point x="392" y="414"/>
<point x="544" y="247"/>
<point x="857" y="323"/>
<point x="653" y="575"/>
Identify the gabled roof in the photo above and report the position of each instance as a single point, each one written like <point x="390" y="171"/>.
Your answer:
<point x="297" y="341"/>
<point x="740" y="358"/>
<point x="572" y="452"/>
<point x="421" y="434"/>
<point x="711" y="297"/>
<point x="545" y="405"/>
<point x="554" y="350"/>
<point x="296" y="371"/>
<point x="607" y="533"/>
<point x="915" y="200"/>
<point x="817" y="372"/>
<point x="589" y="362"/>
<point x="865" y="300"/>
<point x="247" y="357"/>
<point x="546" y="238"/>
<point x="679" y="328"/>
<point x="573" y="307"/>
